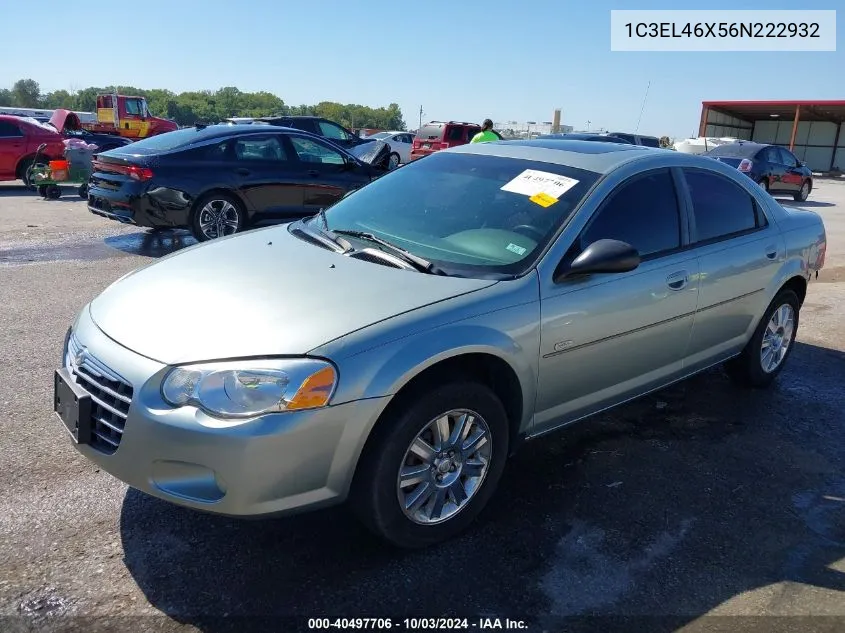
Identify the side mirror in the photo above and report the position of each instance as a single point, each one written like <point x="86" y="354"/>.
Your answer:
<point x="602" y="256"/>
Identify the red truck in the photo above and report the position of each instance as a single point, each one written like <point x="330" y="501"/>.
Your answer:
<point x="127" y="116"/>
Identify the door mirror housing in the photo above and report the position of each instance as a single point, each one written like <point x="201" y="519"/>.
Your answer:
<point x="602" y="256"/>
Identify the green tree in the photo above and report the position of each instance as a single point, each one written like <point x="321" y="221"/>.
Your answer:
<point x="5" y="98"/>
<point x="26" y="93"/>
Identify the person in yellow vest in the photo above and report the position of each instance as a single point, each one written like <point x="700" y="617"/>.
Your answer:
<point x="486" y="134"/>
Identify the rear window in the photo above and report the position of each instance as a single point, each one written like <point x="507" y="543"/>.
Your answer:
<point x="168" y="140"/>
<point x="735" y="150"/>
<point x="430" y="132"/>
<point x="649" y="141"/>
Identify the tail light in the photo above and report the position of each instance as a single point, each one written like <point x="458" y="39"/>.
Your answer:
<point x="139" y="173"/>
<point x="745" y="165"/>
<point x="135" y="172"/>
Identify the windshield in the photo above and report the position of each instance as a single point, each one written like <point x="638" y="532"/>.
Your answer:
<point x="470" y="215"/>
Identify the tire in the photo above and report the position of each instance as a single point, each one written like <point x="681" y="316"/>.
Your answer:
<point x="54" y="192"/>
<point x="804" y="193"/>
<point x="83" y="190"/>
<point x="24" y="170"/>
<point x="234" y="216"/>
<point x="764" y="183"/>
<point x="377" y="497"/>
<point x="42" y="191"/>
<point x="748" y="369"/>
<point x="393" y="161"/>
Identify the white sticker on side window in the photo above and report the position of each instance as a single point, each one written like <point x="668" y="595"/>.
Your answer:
<point x="532" y="182"/>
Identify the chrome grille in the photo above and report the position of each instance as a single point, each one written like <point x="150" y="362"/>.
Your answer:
<point x="111" y="396"/>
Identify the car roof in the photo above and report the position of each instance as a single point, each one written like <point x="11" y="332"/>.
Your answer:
<point x="597" y="157"/>
<point x="585" y="136"/>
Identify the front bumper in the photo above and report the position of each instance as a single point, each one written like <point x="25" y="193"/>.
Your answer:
<point x="270" y="465"/>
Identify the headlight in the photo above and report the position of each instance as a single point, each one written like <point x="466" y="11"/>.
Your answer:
<point x="241" y="389"/>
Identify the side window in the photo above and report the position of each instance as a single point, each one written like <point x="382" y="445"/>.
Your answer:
<point x="330" y="130"/>
<point x="721" y="208"/>
<point x="216" y="152"/>
<point x="787" y="158"/>
<point x="9" y="130"/>
<point x="133" y="106"/>
<point x="771" y="155"/>
<point x="644" y="212"/>
<point x="456" y="134"/>
<point x="260" y="148"/>
<point x="310" y="151"/>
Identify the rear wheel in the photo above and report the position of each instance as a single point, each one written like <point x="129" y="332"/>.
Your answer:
<point x="434" y="465"/>
<point x="217" y="215"/>
<point x="765" y="354"/>
<point x="54" y="192"/>
<point x="393" y="161"/>
<point x="83" y="190"/>
<point x="804" y="193"/>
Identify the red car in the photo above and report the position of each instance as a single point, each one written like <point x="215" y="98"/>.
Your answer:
<point x="437" y="135"/>
<point x="19" y="140"/>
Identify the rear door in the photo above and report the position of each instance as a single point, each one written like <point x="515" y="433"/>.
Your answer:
<point x="12" y="147"/>
<point x="793" y="176"/>
<point x="774" y="170"/>
<point x="265" y="169"/>
<point x="322" y="173"/>
<point x="739" y="253"/>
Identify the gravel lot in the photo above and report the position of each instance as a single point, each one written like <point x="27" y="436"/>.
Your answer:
<point x="704" y="500"/>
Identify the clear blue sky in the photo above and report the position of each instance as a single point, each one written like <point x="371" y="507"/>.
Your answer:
<point x="459" y="59"/>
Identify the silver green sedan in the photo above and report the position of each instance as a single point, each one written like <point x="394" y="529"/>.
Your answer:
<point x="394" y="350"/>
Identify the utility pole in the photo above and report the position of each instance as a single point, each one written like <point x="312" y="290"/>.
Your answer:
<point x="421" y="116"/>
<point x="588" y="125"/>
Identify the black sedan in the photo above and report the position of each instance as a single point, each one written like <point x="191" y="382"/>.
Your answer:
<point x="222" y="179"/>
<point x="773" y="167"/>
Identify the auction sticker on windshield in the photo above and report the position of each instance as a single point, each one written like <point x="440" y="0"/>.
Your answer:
<point x="532" y="182"/>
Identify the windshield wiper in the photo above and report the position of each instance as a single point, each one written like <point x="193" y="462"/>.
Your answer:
<point x="423" y="265"/>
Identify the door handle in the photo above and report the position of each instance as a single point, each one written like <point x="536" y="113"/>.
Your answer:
<point x="678" y="280"/>
<point x="242" y="171"/>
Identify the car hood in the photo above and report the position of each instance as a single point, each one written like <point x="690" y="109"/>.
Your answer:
<point x="264" y="292"/>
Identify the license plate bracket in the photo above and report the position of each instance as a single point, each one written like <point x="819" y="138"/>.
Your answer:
<point x="72" y="405"/>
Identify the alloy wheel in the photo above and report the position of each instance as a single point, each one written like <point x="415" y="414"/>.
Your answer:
<point x="393" y="161"/>
<point x="777" y="338"/>
<point x="219" y="218"/>
<point x="444" y="467"/>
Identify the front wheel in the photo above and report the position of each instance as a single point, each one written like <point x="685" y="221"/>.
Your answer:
<point x="804" y="192"/>
<point x="393" y="161"/>
<point x="54" y="192"/>
<point x="83" y="190"/>
<point x="434" y="466"/>
<point x="27" y="170"/>
<point x="765" y="354"/>
<point x="217" y="215"/>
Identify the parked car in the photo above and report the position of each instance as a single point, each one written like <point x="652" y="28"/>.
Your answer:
<point x="586" y="136"/>
<point x="400" y="146"/>
<point x="774" y="168"/>
<point x="437" y="135"/>
<point x="20" y="138"/>
<point x="222" y="179"/>
<point x="330" y="130"/>
<point x="637" y="139"/>
<point x="396" y="349"/>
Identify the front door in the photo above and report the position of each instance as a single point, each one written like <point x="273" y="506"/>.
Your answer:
<point x="608" y="337"/>
<point x="323" y="173"/>
<point x="264" y="170"/>
<point x="739" y="252"/>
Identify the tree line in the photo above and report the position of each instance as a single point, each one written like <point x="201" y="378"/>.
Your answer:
<point x="187" y="108"/>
